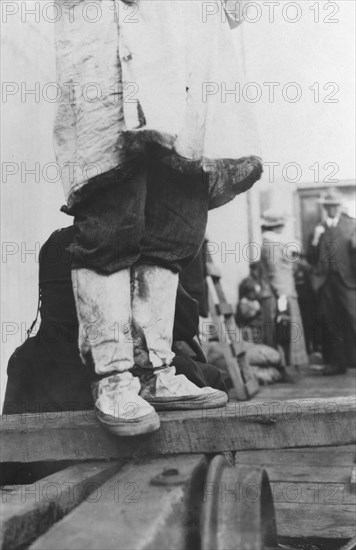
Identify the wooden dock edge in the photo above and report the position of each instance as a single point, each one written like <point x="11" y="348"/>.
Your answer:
<point x="239" y="426"/>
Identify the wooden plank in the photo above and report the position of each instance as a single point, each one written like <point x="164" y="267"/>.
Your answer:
<point x="301" y="391"/>
<point x="133" y="513"/>
<point x="304" y="473"/>
<point x="231" y="343"/>
<point x="233" y="369"/>
<point x="306" y="383"/>
<point x="322" y="465"/>
<point x="342" y="456"/>
<point x="27" y="511"/>
<point x="321" y="522"/>
<point x="252" y="386"/>
<point x="224" y="308"/>
<point x="313" y="492"/>
<point x="212" y="270"/>
<point x="238" y="426"/>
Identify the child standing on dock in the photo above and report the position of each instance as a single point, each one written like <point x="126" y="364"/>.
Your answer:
<point x="147" y="144"/>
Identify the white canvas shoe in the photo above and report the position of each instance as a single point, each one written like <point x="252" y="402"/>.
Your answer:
<point x="119" y="407"/>
<point x="166" y="390"/>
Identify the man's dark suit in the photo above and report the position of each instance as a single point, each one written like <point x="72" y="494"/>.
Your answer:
<point x="334" y="278"/>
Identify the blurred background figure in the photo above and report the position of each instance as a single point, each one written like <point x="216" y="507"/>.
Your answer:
<point x="282" y="316"/>
<point x="306" y="300"/>
<point x="249" y="311"/>
<point x="332" y="253"/>
<point x="256" y="309"/>
<point x="253" y="309"/>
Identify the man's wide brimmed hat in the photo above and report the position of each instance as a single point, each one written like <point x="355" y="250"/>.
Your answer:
<point x="331" y="197"/>
<point x="272" y="218"/>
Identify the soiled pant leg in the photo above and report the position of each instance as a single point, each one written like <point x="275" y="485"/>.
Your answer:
<point x="104" y="313"/>
<point x="175" y="222"/>
<point x="154" y="291"/>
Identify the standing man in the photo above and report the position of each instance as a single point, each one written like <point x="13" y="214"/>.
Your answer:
<point x="332" y="253"/>
<point x="283" y="302"/>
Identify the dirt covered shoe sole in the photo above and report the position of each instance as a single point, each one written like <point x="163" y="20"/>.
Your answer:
<point x="143" y="425"/>
<point x="211" y="400"/>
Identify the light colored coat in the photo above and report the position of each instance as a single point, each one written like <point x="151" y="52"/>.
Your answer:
<point x="278" y="265"/>
<point x="151" y="70"/>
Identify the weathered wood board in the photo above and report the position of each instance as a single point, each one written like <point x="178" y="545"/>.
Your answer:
<point x="238" y="426"/>
<point x="340" y="456"/>
<point x="27" y="511"/>
<point x="138" y="508"/>
<point x="231" y="342"/>
<point x="306" y="383"/>
<point x="324" y="522"/>
<point x="311" y="489"/>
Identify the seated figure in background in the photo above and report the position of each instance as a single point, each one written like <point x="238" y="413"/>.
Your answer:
<point x="249" y="313"/>
<point x="265" y="361"/>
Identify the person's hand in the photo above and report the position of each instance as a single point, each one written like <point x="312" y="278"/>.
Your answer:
<point x="318" y="231"/>
<point x="282" y="303"/>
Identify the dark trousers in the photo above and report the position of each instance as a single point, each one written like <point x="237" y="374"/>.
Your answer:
<point x="337" y="308"/>
<point x="147" y="214"/>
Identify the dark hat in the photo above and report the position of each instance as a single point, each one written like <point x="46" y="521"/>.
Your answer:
<point x="272" y="218"/>
<point x="331" y="197"/>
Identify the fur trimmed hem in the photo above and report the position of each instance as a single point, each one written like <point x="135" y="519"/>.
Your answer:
<point x="226" y="177"/>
